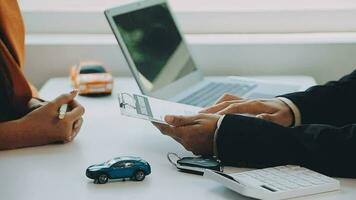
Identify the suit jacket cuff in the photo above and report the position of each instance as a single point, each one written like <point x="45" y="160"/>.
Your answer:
<point x="252" y="142"/>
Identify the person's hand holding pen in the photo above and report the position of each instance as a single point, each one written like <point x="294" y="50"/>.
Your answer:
<point x="50" y="124"/>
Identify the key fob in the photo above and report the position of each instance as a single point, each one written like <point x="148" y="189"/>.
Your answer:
<point x="197" y="165"/>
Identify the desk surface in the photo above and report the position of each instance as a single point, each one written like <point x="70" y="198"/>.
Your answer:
<point x="58" y="171"/>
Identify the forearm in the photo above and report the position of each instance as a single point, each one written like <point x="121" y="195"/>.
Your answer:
<point x="248" y="142"/>
<point x="332" y="103"/>
<point x="16" y="134"/>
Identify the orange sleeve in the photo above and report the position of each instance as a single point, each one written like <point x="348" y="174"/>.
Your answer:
<point x="12" y="48"/>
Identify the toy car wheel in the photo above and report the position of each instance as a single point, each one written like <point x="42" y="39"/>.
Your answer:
<point x="103" y="178"/>
<point x="139" y="175"/>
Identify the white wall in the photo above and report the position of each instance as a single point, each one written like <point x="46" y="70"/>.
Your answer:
<point x="323" y="60"/>
<point x="228" y="37"/>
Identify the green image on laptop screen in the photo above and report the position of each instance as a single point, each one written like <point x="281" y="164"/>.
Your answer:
<point x="155" y="46"/>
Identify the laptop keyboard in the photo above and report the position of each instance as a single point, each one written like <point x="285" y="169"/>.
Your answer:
<point x="208" y="94"/>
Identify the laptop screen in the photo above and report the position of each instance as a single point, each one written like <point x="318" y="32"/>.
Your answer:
<point x="155" y="46"/>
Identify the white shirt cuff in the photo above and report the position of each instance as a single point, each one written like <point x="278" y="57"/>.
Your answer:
<point x="215" y="148"/>
<point x="295" y="110"/>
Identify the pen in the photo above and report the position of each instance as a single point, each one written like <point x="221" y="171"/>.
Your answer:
<point x="62" y="111"/>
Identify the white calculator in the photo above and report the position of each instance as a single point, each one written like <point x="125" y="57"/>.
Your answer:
<point x="281" y="182"/>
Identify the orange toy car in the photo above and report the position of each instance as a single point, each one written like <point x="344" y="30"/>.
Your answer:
<point x="91" y="78"/>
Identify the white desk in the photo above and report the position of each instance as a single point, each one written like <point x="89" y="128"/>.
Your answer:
<point x="58" y="171"/>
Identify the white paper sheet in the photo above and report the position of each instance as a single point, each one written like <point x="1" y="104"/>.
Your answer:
<point x="152" y="109"/>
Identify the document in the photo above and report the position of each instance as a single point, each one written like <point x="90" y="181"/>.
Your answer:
<point x="152" y="109"/>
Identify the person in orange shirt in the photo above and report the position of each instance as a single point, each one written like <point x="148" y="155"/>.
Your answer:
<point x="26" y="120"/>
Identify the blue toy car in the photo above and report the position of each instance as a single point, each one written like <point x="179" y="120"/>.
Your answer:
<point x="119" y="168"/>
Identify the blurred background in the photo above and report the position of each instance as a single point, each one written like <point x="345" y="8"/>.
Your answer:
<point x="226" y="37"/>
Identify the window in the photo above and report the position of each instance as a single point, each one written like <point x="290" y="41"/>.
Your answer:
<point x="129" y="164"/>
<point x="119" y="165"/>
<point x="123" y="165"/>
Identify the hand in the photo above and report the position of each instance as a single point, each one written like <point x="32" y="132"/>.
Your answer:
<point x="35" y="103"/>
<point x="273" y="110"/>
<point x="45" y="126"/>
<point x="228" y="97"/>
<point x="195" y="133"/>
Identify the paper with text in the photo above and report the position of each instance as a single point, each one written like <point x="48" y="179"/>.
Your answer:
<point x="152" y="109"/>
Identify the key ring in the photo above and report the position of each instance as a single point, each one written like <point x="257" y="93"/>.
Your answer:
<point x="169" y="157"/>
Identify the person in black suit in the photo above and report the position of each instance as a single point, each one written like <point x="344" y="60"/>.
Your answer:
<point x="315" y="129"/>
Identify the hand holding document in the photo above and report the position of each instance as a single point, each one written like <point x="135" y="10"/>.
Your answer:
<point x="152" y="109"/>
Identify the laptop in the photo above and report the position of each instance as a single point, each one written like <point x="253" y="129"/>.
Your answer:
<point x="161" y="62"/>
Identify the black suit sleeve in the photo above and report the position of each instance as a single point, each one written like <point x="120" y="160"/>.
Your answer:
<point x="251" y="142"/>
<point x="333" y="103"/>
